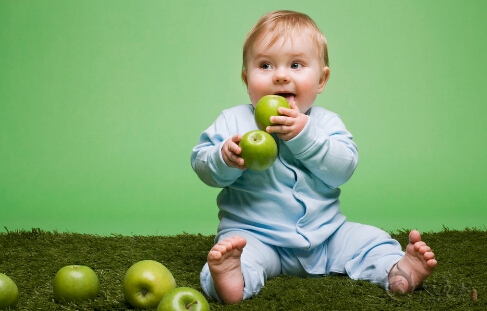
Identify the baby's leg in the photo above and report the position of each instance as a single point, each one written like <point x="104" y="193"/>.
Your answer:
<point x="224" y="263"/>
<point x="414" y="267"/>
<point x="363" y="252"/>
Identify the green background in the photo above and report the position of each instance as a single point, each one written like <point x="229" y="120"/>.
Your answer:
<point x="101" y="103"/>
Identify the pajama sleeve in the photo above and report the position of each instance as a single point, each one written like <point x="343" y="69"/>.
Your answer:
<point x="206" y="157"/>
<point x="326" y="148"/>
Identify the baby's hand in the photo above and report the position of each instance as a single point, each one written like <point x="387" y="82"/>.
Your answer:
<point x="290" y="124"/>
<point x="231" y="152"/>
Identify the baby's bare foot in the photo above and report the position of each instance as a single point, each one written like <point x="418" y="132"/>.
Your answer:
<point x="224" y="264"/>
<point x="414" y="267"/>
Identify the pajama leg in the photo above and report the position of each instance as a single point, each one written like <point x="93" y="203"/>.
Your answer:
<point x="363" y="252"/>
<point x="259" y="262"/>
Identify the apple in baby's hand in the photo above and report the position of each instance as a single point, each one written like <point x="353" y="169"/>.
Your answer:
<point x="183" y="299"/>
<point x="146" y="282"/>
<point x="75" y="283"/>
<point x="9" y="292"/>
<point x="267" y="107"/>
<point x="259" y="150"/>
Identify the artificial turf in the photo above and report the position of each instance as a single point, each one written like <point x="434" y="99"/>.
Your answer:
<point x="32" y="258"/>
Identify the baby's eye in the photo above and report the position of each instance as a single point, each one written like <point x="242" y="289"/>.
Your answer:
<point x="265" y="66"/>
<point x="296" y="65"/>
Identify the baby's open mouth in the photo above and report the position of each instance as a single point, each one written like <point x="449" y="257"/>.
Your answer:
<point x="288" y="96"/>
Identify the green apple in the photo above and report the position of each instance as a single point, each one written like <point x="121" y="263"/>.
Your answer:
<point x="9" y="292"/>
<point x="183" y="299"/>
<point x="259" y="150"/>
<point x="75" y="283"/>
<point x="146" y="282"/>
<point x="267" y="107"/>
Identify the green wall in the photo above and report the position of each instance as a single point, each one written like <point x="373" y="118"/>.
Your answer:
<point x="101" y="103"/>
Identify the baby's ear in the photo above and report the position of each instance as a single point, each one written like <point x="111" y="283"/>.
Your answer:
<point x="244" y="77"/>
<point x="325" y="75"/>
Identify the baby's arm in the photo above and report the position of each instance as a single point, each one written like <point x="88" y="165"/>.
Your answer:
<point x="209" y="157"/>
<point x="324" y="145"/>
<point x="326" y="148"/>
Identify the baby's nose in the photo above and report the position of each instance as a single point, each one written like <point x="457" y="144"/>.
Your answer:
<point x="281" y="76"/>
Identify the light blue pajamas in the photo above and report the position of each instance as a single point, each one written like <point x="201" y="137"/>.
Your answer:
<point x="290" y="213"/>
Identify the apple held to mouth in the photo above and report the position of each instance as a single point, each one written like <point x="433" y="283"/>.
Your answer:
<point x="75" y="283"/>
<point x="259" y="150"/>
<point x="146" y="282"/>
<point x="267" y="107"/>
<point x="9" y="292"/>
<point x="183" y="299"/>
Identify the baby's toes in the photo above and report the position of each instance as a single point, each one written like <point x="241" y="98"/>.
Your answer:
<point x="214" y="255"/>
<point x="429" y="255"/>
<point x="431" y="263"/>
<point x="418" y="245"/>
<point x="424" y="249"/>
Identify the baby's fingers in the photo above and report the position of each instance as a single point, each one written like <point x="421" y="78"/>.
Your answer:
<point x="293" y="105"/>
<point x="280" y="121"/>
<point x="236" y="140"/>
<point x="289" y="112"/>
<point x="237" y="160"/>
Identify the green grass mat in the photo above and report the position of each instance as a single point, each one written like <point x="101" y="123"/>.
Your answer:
<point x="32" y="258"/>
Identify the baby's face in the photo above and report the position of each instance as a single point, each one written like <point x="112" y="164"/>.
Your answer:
<point x="290" y="68"/>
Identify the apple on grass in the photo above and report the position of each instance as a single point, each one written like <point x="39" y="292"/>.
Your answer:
<point x="9" y="292"/>
<point x="183" y="299"/>
<point x="146" y="282"/>
<point x="259" y="150"/>
<point x="75" y="283"/>
<point x="267" y="107"/>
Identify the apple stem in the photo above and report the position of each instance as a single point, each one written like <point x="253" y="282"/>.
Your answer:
<point x="188" y="306"/>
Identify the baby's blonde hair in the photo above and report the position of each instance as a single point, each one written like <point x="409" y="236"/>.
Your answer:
<point x="285" y="24"/>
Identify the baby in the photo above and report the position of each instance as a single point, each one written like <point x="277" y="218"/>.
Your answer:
<point x="287" y="219"/>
